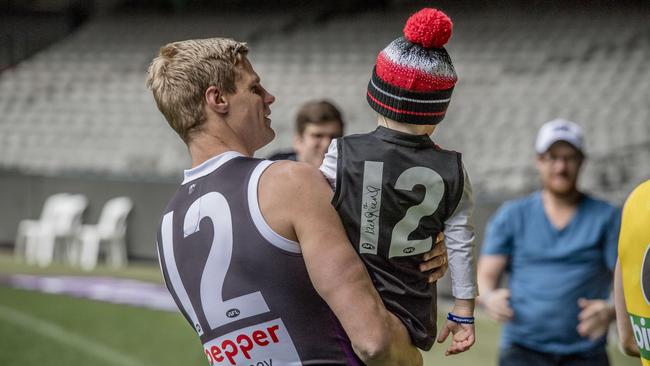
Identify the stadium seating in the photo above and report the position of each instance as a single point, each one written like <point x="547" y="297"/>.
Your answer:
<point x="81" y="105"/>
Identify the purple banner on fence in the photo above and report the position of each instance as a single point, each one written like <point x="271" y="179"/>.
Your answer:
<point x="109" y="289"/>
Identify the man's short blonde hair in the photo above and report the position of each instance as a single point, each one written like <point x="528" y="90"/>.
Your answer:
<point x="184" y="70"/>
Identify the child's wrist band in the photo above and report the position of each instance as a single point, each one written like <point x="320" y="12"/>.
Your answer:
<point x="460" y="319"/>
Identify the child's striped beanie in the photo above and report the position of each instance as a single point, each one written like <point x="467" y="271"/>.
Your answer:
<point x="413" y="77"/>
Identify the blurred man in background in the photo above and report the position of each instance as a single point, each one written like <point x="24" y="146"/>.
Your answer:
<point x="318" y="122"/>
<point x="558" y="246"/>
<point x="632" y="281"/>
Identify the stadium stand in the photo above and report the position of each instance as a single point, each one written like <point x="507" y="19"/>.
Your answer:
<point x="80" y="108"/>
<point x="21" y="35"/>
<point x="87" y="94"/>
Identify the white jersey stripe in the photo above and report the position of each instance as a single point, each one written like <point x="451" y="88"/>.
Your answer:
<point x="172" y="270"/>
<point x="259" y="221"/>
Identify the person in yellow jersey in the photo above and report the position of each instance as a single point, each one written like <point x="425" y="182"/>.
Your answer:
<point x="632" y="277"/>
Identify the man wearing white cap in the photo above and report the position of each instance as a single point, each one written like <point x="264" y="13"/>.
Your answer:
<point x="558" y="246"/>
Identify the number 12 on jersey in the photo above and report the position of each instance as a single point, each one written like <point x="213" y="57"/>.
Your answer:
<point x="400" y="245"/>
<point x="217" y="311"/>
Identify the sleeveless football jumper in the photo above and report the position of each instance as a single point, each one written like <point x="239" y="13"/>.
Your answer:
<point x="242" y="287"/>
<point x="634" y="260"/>
<point x="394" y="192"/>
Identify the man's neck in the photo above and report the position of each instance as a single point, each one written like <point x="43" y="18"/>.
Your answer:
<point x="560" y="208"/>
<point x="405" y="127"/>
<point x="207" y="145"/>
<point x="557" y="200"/>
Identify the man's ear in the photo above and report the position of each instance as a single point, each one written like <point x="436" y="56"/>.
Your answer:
<point x="216" y="101"/>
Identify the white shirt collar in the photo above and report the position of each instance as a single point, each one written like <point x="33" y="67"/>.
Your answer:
<point x="209" y="166"/>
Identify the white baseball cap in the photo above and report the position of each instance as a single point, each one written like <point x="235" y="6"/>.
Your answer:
<point x="559" y="130"/>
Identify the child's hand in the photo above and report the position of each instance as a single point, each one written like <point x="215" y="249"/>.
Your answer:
<point x="462" y="337"/>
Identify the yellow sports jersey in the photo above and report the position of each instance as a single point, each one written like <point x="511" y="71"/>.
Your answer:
<point x="633" y="247"/>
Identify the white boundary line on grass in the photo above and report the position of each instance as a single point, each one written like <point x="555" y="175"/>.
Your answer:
<point x="68" y="338"/>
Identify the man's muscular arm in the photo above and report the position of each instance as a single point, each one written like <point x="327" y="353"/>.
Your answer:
<point x="295" y="201"/>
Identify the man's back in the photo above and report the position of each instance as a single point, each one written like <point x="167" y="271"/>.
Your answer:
<point x="243" y="288"/>
<point x="394" y="191"/>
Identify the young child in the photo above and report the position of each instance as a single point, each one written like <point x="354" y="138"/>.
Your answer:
<point x="395" y="190"/>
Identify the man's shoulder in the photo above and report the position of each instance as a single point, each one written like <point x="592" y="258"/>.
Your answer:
<point x="290" y="174"/>
<point x="515" y="212"/>
<point x="639" y="196"/>
<point x="642" y="189"/>
<point x="283" y="155"/>
<point x="518" y="204"/>
<point x="599" y="205"/>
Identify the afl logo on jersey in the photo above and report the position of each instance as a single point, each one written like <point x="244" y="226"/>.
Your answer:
<point x="367" y="246"/>
<point x="408" y="250"/>
<point x="645" y="275"/>
<point x="233" y="313"/>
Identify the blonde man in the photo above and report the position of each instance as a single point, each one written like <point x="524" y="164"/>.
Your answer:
<point x="252" y="252"/>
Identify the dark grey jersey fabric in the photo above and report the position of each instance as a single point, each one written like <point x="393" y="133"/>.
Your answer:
<point x="257" y="275"/>
<point x="394" y="192"/>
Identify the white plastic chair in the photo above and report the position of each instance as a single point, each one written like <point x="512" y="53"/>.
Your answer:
<point x="56" y="236"/>
<point x="27" y="228"/>
<point x="107" y="236"/>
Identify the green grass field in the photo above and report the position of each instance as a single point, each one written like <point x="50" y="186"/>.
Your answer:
<point x="38" y="329"/>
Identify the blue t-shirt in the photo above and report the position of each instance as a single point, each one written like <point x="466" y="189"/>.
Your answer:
<point x="551" y="269"/>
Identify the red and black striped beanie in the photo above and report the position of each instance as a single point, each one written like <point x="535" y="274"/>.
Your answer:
<point x="413" y="77"/>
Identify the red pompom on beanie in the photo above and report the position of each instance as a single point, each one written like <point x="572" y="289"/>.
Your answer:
<point x="413" y="77"/>
<point x="428" y="28"/>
